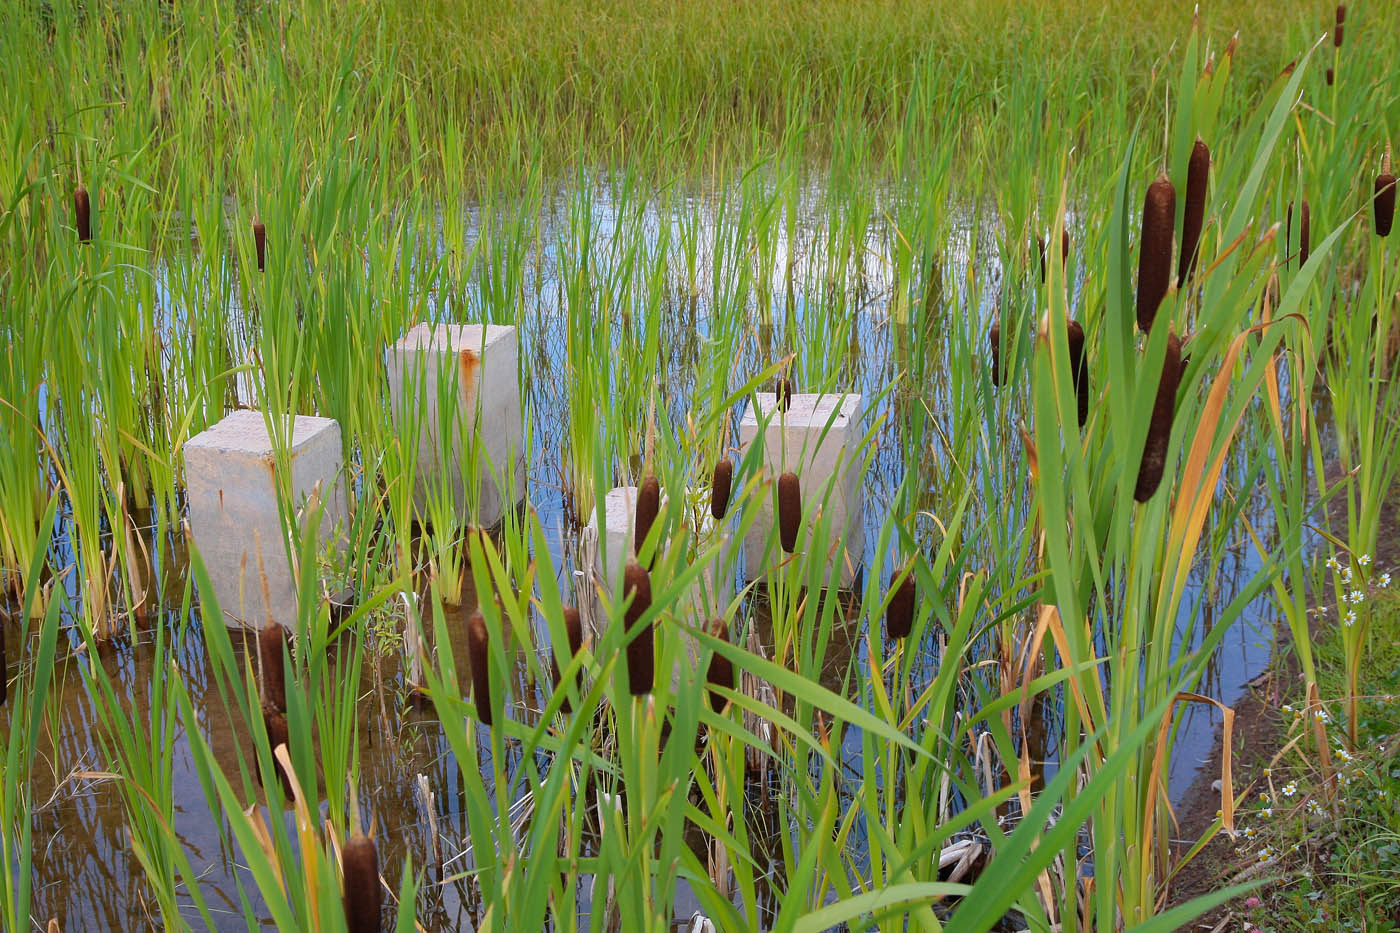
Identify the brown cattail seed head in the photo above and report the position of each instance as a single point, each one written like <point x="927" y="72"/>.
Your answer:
<point x="641" y="654"/>
<point x="648" y="505"/>
<point x="1384" y="204"/>
<point x="361" y="891"/>
<point x="1040" y="244"/>
<point x="1304" y="230"/>
<point x="1331" y="77"/>
<point x="82" y="214"/>
<point x="479" y="654"/>
<point x="271" y="640"/>
<point x="573" y="631"/>
<point x="721" y="485"/>
<point x="995" y="336"/>
<point x="899" y="617"/>
<point x="1159" y="432"/>
<point x="721" y="670"/>
<point x="1341" y="13"/>
<point x="789" y="510"/>
<point x="1079" y="368"/>
<point x="1155" y="257"/>
<point x="260" y="242"/>
<point x="1337" y="34"/>
<point x="1064" y="247"/>
<point x="1197" y="176"/>
<point x="275" y="724"/>
<point x="784" y="394"/>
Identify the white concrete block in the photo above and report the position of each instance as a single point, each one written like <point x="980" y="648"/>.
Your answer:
<point x="818" y="438"/>
<point x="481" y="360"/>
<point x="229" y="478"/>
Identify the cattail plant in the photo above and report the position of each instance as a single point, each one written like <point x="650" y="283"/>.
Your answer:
<point x="721" y="669"/>
<point x="271" y="639"/>
<point x="784" y="394"/>
<point x="1197" y="176"/>
<point x="1304" y="230"/>
<point x="275" y="725"/>
<point x="648" y="505"/>
<point x="361" y="893"/>
<point x="260" y="242"/>
<point x="82" y="214"/>
<point x="1155" y="258"/>
<point x="789" y="510"/>
<point x="1159" y="432"/>
<point x="994" y="335"/>
<point x="721" y="486"/>
<point x="1337" y="33"/>
<point x="641" y="655"/>
<point x="1040" y="245"/>
<point x="1331" y="77"/>
<point x="899" y="616"/>
<point x="1064" y="247"/>
<point x="573" y="631"/>
<point x="1384" y="204"/>
<point x="1079" y="368"/>
<point x="479" y="654"/>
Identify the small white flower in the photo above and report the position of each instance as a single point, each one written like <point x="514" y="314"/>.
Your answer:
<point x="1322" y="716"/>
<point x="1349" y="619"/>
<point x="1314" y="807"/>
<point x="1333" y="564"/>
<point x="1266" y="812"/>
<point x="1289" y="789"/>
<point x="1357" y="597"/>
<point x="1346" y="575"/>
<point x="1364" y="560"/>
<point x="1343" y="754"/>
<point x="1384" y="580"/>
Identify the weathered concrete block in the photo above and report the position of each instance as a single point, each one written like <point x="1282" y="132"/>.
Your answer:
<point x="481" y="362"/>
<point x="817" y="438"/>
<point x="603" y="554"/>
<point x="230" y="480"/>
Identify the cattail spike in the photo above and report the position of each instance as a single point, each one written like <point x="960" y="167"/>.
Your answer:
<point x="260" y="242"/>
<point x="899" y="617"/>
<point x="648" y="506"/>
<point x="271" y="640"/>
<point x="479" y="653"/>
<point x="1383" y="207"/>
<point x="1197" y="177"/>
<point x="1304" y="233"/>
<point x="1159" y="432"/>
<point x="361" y="890"/>
<point x="1155" y="256"/>
<point x="1331" y="77"/>
<point x="641" y="653"/>
<point x="1040" y="245"/>
<point x="275" y="725"/>
<point x="1337" y="34"/>
<point x="1064" y="247"/>
<point x="82" y="214"/>
<point x="784" y="394"/>
<point x="721" y="670"/>
<point x="1079" y="368"/>
<point x="721" y="486"/>
<point x="995" y="336"/>
<point x="1341" y="13"/>
<point x="789" y="510"/>
<point x="573" y="631"/>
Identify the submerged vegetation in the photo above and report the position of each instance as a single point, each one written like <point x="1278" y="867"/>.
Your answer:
<point x="211" y="206"/>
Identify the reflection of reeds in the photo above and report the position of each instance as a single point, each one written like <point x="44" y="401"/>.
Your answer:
<point x="271" y="639"/>
<point x="1079" y="368"/>
<point x="1197" y="177"/>
<point x="789" y="510"/>
<point x="721" y="485"/>
<point x="573" y="631"/>
<point x="82" y="214"/>
<point x="721" y="670"/>
<point x="899" y="617"/>
<point x="360" y="891"/>
<point x="1384" y="204"/>
<point x="1155" y="256"/>
<point x="648" y="505"/>
<point x="1154" y="453"/>
<point x="479" y="654"/>
<point x="641" y="658"/>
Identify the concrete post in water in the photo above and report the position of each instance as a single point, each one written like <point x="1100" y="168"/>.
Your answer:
<point x="485" y="429"/>
<point x="230" y="477"/>
<point x="817" y="438"/>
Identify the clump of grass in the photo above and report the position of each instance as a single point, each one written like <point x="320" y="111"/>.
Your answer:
<point x="573" y="631"/>
<point x="1383" y="206"/>
<point x="1154" y="452"/>
<point x="360" y="884"/>
<point x="789" y="510"/>
<point x="648" y="506"/>
<point x="82" y="214"/>
<point x="1193" y="221"/>
<point x="721" y="487"/>
<point x="641" y="654"/>
<point x="479" y="655"/>
<point x="721" y="670"/>
<point x="1155" y="256"/>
